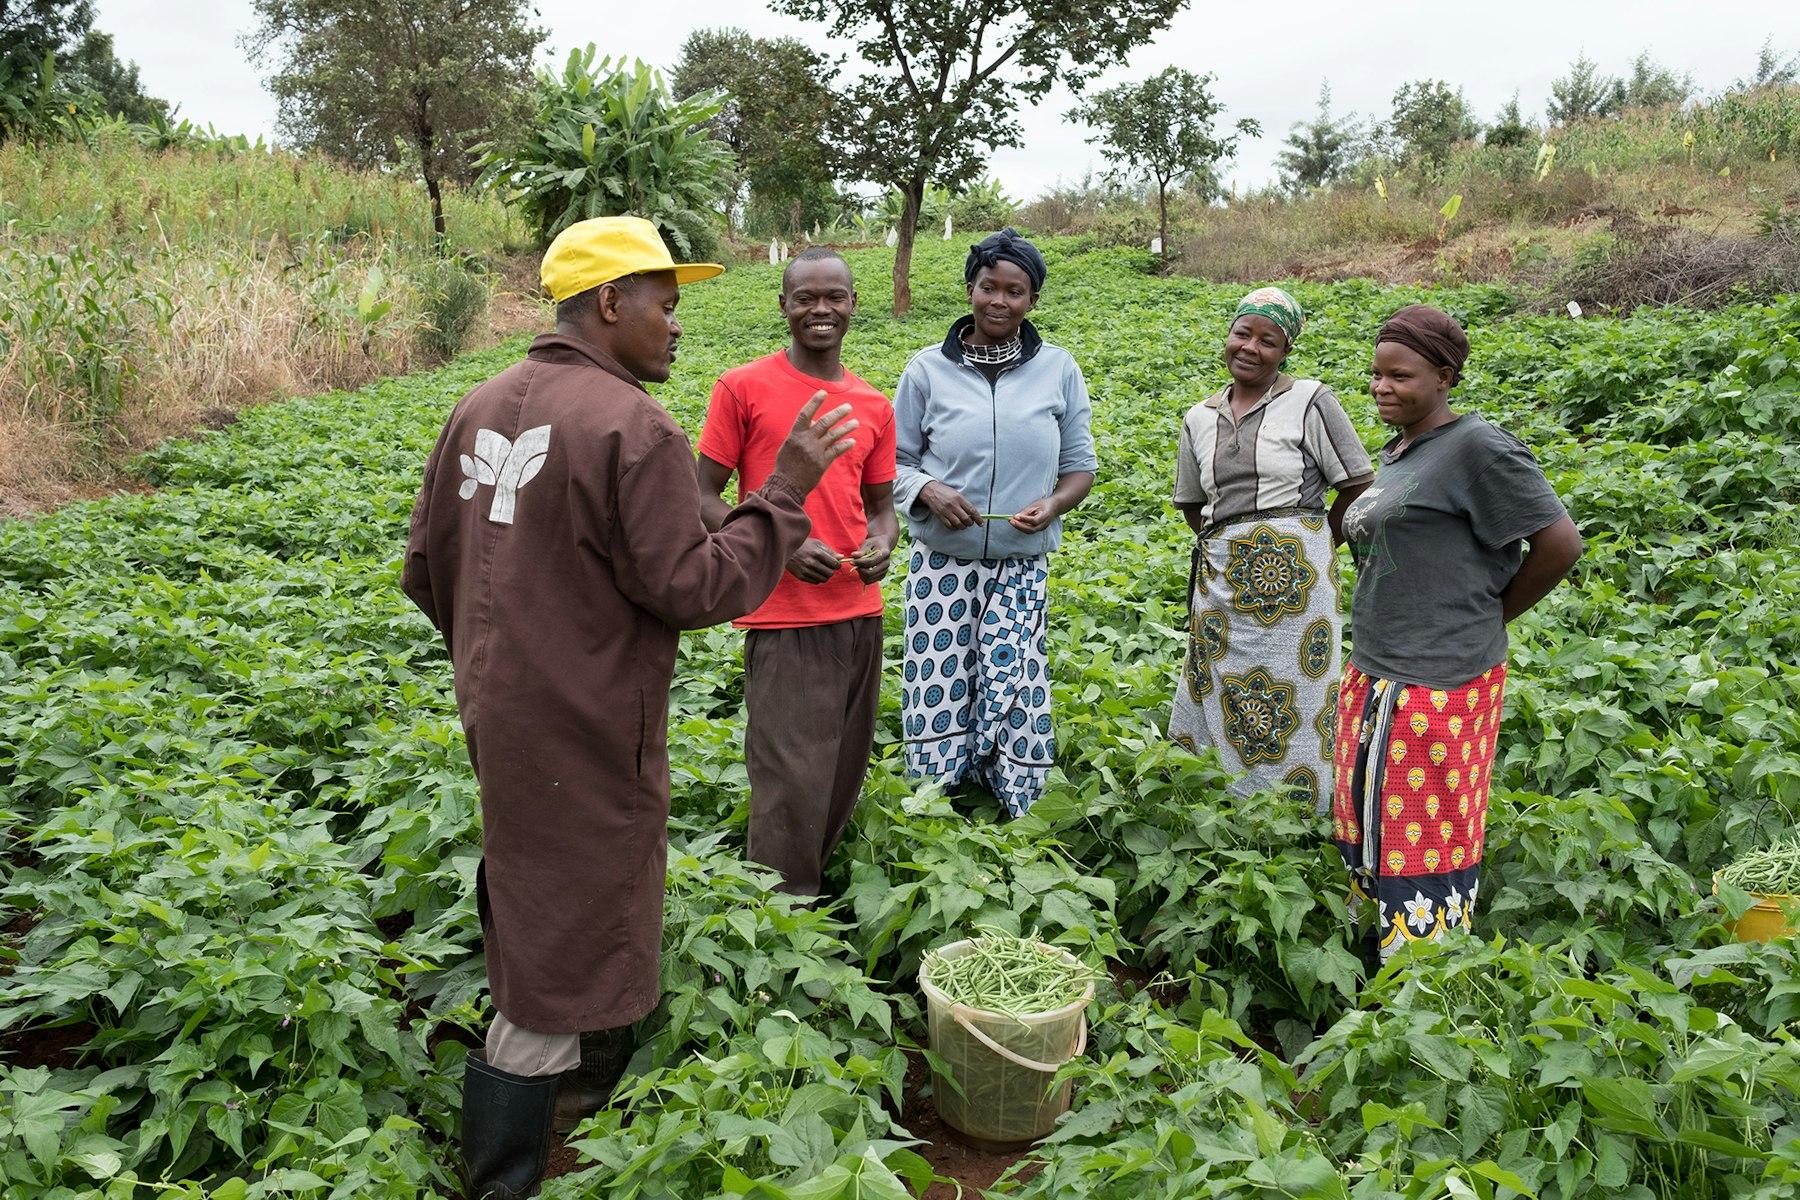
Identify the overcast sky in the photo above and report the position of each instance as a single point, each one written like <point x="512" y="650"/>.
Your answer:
<point x="1269" y="58"/>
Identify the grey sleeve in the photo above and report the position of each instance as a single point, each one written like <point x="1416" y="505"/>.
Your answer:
<point x="1509" y="498"/>
<point x="909" y="440"/>
<point x="1187" y="469"/>
<point x="1077" y="425"/>
<point x="1333" y="443"/>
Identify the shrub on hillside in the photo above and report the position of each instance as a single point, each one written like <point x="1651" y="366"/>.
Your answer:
<point x="1072" y="207"/>
<point x="186" y="188"/>
<point x="157" y="275"/>
<point x="67" y="327"/>
<point x="1266" y="236"/>
<point x="1661" y="264"/>
<point x="454" y="298"/>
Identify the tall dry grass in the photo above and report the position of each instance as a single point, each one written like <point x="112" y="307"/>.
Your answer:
<point x="144" y="293"/>
<point x="112" y="192"/>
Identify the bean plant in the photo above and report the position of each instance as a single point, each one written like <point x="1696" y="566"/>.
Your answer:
<point x="241" y="955"/>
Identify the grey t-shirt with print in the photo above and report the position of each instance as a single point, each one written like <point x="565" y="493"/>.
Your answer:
<point x="1437" y="539"/>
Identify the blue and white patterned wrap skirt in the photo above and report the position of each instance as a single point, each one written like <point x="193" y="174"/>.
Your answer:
<point x="976" y="698"/>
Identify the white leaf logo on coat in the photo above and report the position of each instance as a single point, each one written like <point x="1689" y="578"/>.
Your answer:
<point x="506" y="466"/>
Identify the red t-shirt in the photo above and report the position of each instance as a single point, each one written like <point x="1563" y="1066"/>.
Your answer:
<point x="752" y="412"/>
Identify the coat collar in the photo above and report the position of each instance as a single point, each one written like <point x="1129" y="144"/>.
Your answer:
<point x="567" y="349"/>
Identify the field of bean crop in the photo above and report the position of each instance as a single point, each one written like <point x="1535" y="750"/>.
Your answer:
<point x="241" y="956"/>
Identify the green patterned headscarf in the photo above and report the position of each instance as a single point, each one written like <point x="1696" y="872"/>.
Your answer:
<point x="1277" y="306"/>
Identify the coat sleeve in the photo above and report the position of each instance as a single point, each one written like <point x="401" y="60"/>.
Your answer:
<point x="666" y="562"/>
<point x="415" y="572"/>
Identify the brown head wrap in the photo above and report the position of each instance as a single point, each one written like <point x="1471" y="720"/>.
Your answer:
<point x="1432" y="333"/>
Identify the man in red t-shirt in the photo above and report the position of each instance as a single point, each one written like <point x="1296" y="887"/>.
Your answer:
<point x="812" y="653"/>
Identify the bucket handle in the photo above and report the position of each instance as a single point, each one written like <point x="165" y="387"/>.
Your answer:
<point x="1030" y="1064"/>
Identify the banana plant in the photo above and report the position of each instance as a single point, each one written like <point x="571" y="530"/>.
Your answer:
<point x="607" y="137"/>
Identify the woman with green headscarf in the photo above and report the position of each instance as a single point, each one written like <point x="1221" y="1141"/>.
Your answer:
<point x="1265" y="637"/>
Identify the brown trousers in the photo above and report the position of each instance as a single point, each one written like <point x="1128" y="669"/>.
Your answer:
<point x="811" y="695"/>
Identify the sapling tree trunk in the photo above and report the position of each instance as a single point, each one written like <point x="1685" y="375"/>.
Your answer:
<point x="425" y="138"/>
<point x="913" y="198"/>
<point x="1162" y="218"/>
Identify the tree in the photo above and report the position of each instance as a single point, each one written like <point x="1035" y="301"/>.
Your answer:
<point x="84" y="69"/>
<point x="1162" y="128"/>
<point x="1771" y="69"/>
<point x="776" y="120"/>
<point x="1429" y="118"/>
<point x="1509" y="127"/>
<point x="1318" y="151"/>
<point x="409" y="83"/>
<point x="1584" y="93"/>
<point x="97" y="69"/>
<point x="607" y="138"/>
<point x="1652" y="85"/>
<point x="946" y="79"/>
<point x="30" y="29"/>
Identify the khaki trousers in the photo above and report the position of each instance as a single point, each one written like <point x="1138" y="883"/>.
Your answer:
<point x="812" y="695"/>
<point x="521" y="1052"/>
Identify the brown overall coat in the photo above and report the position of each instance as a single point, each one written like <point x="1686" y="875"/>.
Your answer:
<point x="558" y="547"/>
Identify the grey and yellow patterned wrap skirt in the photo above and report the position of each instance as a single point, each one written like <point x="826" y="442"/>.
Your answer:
<point x="1265" y="649"/>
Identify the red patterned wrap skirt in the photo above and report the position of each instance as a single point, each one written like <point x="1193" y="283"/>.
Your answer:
<point x="1410" y="798"/>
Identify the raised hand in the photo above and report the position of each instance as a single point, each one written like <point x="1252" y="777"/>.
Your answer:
<point x="814" y="445"/>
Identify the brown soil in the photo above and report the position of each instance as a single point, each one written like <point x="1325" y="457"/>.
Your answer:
<point x="37" y="496"/>
<point x="394" y="926"/>
<point x="12" y="935"/>
<point x="975" y="1170"/>
<point x="57" y="1047"/>
<point x="1132" y="980"/>
<point x="518" y="304"/>
<point x="563" y="1159"/>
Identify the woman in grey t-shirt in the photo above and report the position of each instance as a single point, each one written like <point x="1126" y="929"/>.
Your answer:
<point x="1437" y="542"/>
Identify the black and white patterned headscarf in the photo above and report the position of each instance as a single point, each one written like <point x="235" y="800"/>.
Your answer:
<point x="1007" y="246"/>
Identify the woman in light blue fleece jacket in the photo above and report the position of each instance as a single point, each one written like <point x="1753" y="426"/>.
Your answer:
<point x="994" y="446"/>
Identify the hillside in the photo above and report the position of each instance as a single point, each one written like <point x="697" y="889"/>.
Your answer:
<point x="146" y="290"/>
<point x="1678" y="204"/>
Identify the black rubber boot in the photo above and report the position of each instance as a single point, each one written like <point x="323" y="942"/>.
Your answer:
<point x="505" y="1130"/>
<point x="586" y="1089"/>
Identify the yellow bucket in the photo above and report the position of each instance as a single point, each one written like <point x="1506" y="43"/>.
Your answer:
<point x="1004" y="1063"/>
<point x="1767" y="919"/>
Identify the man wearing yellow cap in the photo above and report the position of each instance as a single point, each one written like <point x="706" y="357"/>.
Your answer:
<point x="557" y="544"/>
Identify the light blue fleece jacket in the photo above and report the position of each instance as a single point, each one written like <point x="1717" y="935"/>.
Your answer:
<point x="1003" y="446"/>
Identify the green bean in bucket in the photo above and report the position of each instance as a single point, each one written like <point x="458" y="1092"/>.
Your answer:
<point x="1772" y="871"/>
<point x="1008" y="975"/>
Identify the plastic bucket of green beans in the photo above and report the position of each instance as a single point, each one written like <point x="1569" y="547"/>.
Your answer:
<point x="1004" y="1014"/>
<point x="1772" y="876"/>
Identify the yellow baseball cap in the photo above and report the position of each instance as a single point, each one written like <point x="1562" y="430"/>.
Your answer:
<point x="601" y="249"/>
